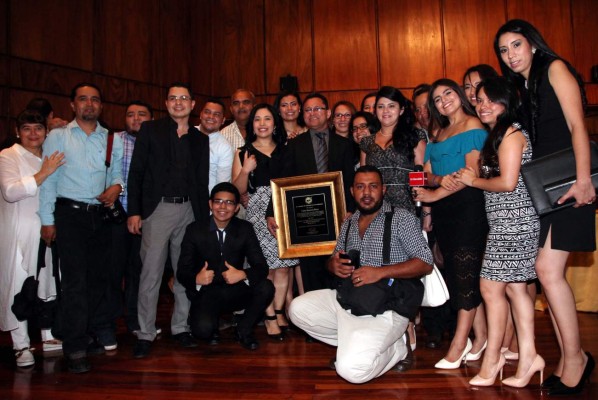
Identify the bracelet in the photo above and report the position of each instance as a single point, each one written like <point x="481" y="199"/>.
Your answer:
<point x="425" y="213"/>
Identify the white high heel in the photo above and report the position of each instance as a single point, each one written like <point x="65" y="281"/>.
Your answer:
<point x="444" y="364"/>
<point x="476" y="356"/>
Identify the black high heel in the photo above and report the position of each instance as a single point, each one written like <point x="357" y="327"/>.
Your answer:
<point x="550" y="381"/>
<point x="279" y="337"/>
<point x="283" y="328"/>
<point x="560" y="389"/>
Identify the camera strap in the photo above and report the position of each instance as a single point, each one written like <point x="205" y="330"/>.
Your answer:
<point x="386" y="237"/>
<point x="108" y="156"/>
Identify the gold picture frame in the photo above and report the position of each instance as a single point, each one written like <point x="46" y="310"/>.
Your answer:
<point x="309" y="211"/>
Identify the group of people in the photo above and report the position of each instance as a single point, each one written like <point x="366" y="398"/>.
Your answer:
<point x="200" y="196"/>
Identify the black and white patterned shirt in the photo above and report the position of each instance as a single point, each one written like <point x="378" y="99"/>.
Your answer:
<point x="407" y="240"/>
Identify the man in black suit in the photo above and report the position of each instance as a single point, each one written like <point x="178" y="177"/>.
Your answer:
<point x="211" y="269"/>
<point x="168" y="189"/>
<point x="315" y="152"/>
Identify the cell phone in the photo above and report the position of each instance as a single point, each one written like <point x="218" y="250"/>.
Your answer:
<point x="353" y="256"/>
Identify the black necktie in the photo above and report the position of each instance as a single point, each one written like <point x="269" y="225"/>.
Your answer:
<point x="321" y="153"/>
<point x="221" y="239"/>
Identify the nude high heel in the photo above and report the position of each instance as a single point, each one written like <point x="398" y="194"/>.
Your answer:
<point x="444" y="364"/>
<point x="509" y="355"/>
<point x="537" y="365"/>
<point x="480" y="381"/>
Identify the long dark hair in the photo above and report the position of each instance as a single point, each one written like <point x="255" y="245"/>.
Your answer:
<point x="279" y="135"/>
<point x="541" y="60"/>
<point x="404" y="137"/>
<point x="439" y="119"/>
<point x="293" y="93"/>
<point x="484" y="71"/>
<point x="498" y="90"/>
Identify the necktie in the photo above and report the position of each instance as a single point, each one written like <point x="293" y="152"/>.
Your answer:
<point x="220" y="239"/>
<point x="321" y="153"/>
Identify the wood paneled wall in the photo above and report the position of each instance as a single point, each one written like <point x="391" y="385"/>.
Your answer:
<point x="133" y="49"/>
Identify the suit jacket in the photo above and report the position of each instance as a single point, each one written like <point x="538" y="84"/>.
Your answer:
<point x="302" y="160"/>
<point x="200" y="244"/>
<point x="148" y="173"/>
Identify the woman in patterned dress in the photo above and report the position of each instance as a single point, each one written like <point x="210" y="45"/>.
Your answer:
<point x="512" y="244"/>
<point x="261" y="159"/>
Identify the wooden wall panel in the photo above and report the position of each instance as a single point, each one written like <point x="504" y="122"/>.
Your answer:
<point x="3" y="26"/>
<point x="124" y="46"/>
<point x="585" y="36"/>
<point x="552" y="18"/>
<point x="410" y="42"/>
<point x="172" y="59"/>
<point x="19" y="98"/>
<point x="3" y="72"/>
<point x="56" y="32"/>
<point x="344" y="45"/>
<point x="202" y="64"/>
<point x="469" y="29"/>
<point x="41" y="77"/>
<point x="237" y="29"/>
<point x="288" y="43"/>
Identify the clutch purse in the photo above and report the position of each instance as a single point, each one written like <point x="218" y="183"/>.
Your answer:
<point x="548" y="178"/>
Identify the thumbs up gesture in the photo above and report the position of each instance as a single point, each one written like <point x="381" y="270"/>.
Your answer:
<point x="205" y="276"/>
<point x="233" y="275"/>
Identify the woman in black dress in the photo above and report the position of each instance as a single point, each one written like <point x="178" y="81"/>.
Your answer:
<point x="553" y="102"/>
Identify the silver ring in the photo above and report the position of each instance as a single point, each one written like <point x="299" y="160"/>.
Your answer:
<point x="358" y="279"/>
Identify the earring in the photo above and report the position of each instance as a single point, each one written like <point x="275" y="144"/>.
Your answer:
<point x="533" y="50"/>
<point x="18" y="136"/>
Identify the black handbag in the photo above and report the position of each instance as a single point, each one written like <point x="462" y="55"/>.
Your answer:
<point x="550" y="177"/>
<point x="116" y="212"/>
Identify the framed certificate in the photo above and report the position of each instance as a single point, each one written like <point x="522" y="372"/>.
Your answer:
<point x="309" y="211"/>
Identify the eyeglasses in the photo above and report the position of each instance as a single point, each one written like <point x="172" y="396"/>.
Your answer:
<point x="316" y="109"/>
<point x="360" y="127"/>
<point x="181" y="98"/>
<point x="341" y="116"/>
<point x="219" y="202"/>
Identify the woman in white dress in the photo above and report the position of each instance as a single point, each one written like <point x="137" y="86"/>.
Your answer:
<point x="22" y="171"/>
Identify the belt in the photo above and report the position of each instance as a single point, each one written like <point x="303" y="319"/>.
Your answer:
<point x="79" y="205"/>
<point x="175" y="200"/>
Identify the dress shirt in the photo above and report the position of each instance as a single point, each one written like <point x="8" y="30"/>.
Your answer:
<point x="128" y="146"/>
<point x="232" y="133"/>
<point x="83" y="177"/>
<point x="221" y="159"/>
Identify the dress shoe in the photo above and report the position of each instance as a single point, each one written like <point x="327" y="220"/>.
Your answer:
<point x="433" y="342"/>
<point x="270" y="320"/>
<point x="214" y="340"/>
<point x="283" y="327"/>
<point x="537" y="365"/>
<point x="78" y="365"/>
<point x="406" y="363"/>
<point x="24" y="357"/>
<point x="480" y="381"/>
<point x="247" y="341"/>
<point x="332" y="363"/>
<point x="185" y="340"/>
<point x="550" y="381"/>
<point x="95" y="348"/>
<point x="52" y="345"/>
<point x="142" y="348"/>
<point x="476" y="356"/>
<point x="444" y="364"/>
<point x="560" y="389"/>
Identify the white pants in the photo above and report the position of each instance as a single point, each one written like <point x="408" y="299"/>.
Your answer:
<point x="367" y="346"/>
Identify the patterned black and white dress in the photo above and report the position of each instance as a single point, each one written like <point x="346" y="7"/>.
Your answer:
<point x="259" y="183"/>
<point x="512" y="244"/>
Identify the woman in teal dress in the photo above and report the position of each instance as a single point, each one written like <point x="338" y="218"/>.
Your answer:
<point x="458" y="214"/>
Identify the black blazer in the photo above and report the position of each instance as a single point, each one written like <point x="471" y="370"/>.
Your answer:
<point x="149" y="167"/>
<point x="200" y="244"/>
<point x="302" y="160"/>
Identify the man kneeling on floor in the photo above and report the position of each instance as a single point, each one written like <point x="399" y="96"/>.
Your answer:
<point x="211" y="269"/>
<point x="367" y="314"/>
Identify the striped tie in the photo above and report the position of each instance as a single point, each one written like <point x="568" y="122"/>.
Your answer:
<point x="321" y="153"/>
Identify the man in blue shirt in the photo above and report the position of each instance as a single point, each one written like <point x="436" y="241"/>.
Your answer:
<point x="71" y="201"/>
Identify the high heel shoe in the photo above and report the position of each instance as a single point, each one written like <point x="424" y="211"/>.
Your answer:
<point x="283" y="328"/>
<point x="476" y="356"/>
<point x="560" y="389"/>
<point x="444" y="364"/>
<point x="274" y="336"/>
<point x="537" y="365"/>
<point x="550" y="381"/>
<point x="480" y="381"/>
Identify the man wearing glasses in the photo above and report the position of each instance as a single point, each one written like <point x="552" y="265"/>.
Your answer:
<point x="168" y="189"/>
<point x="318" y="152"/>
<point x="211" y="269"/>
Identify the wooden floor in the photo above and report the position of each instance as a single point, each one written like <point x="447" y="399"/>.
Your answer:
<point x="292" y="369"/>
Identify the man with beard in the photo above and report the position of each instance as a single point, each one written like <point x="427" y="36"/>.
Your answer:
<point x="71" y="203"/>
<point x="367" y="346"/>
<point x="126" y="245"/>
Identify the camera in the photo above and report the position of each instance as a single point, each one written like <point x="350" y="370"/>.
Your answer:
<point x="353" y="257"/>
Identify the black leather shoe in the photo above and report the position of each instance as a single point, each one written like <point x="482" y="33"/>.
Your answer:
<point x="247" y="341"/>
<point x="405" y="364"/>
<point x="142" y="348"/>
<point x="550" y="381"/>
<point x="278" y="337"/>
<point x="185" y="339"/>
<point x="214" y="340"/>
<point x="433" y="342"/>
<point x="332" y="363"/>
<point x="95" y="348"/>
<point x="78" y="365"/>
<point x="560" y="389"/>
